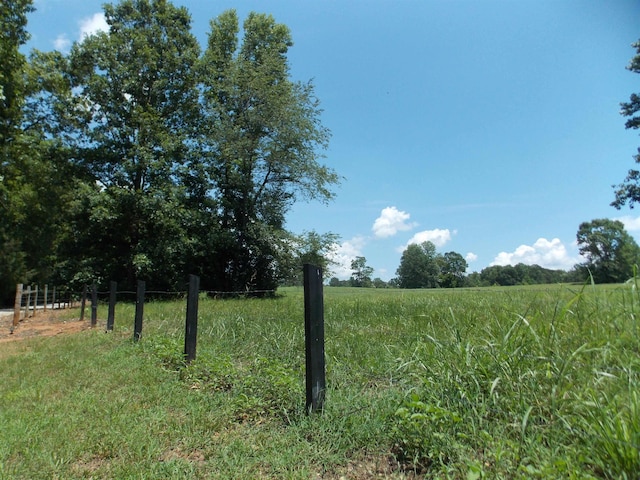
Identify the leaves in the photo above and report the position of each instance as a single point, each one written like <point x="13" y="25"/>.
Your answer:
<point x="629" y="190"/>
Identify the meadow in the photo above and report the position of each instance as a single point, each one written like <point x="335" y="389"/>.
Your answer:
<point x="519" y="382"/>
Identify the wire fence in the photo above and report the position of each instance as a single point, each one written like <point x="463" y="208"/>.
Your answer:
<point x="33" y="297"/>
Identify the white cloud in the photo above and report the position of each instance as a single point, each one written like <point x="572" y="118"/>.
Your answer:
<point x="390" y="222"/>
<point x="343" y="254"/>
<point x="437" y="236"/>
<point x="550" y="254"/>
<point x="471" y="257"/>
<point x="94" y="24"/>
<point x="62" y="43"/>
<point x="631" y="224"/>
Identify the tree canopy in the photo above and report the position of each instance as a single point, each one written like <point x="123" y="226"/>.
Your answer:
<point x="629" y="190"/>
<point x="419" y="267"/>
<point x="611" y="252"/>
<point x="142" y="156"/>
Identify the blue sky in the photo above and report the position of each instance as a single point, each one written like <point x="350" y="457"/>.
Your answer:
<point x="491" y="128"/>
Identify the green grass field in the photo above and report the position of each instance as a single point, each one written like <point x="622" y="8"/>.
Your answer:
<point x="521" y="382"/>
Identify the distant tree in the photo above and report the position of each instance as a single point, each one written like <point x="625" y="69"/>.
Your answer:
<point x="453" y="267"/>
<point x="379" y="283"/>
<point x="393" y="283"/>
<point x="610" y="251"/>
<point x="419" y="266"/>
<point x="361" y="276"/>
<point x="629" y="190"/>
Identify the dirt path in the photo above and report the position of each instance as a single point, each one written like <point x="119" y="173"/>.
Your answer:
<point x="43" y="324"/>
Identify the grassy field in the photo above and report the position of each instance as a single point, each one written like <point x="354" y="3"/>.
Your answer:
<point x="521" y="382"/>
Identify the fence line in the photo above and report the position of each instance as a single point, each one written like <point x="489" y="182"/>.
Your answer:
<point x="28" y="300"/>
<point x="313" y="321"/>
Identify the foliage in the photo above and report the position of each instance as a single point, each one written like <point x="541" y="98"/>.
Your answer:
<point x="35" y="181"/>
<point x="310" y="247"/>
<point x="521" y="274"/>
<point x="138" y="84"/>
<point x="13" y="34"/>
<point x="453" y="267"/>
<point x="422" y="267"/>
<point x="260" y="140"/>
<point x="423" y="433"/>
<point x="361" y="276"/>
<point x="629" y="190"/>
<point x="162" y="161"/>
<point x="611" y="252"/>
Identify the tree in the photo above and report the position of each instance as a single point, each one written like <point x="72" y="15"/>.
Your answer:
<point x="453" y="267"/>
<point x="611" y="252"/>
<point x="137" y="86"/>
<point x="629" y="190"/>
<point x="260" y="141"/>
<point x="361" y="276"/>
<point x="13" y="187"/>
<point x="310" y="247"/>
<point x="419" y="267"/>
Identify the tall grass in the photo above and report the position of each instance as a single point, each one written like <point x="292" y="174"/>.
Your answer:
<point x="489" y="383"/>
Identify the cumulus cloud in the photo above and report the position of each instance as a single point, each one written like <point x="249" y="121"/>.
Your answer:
<point x="437" y="236"/>
<point x="631" y="224"/>
<point x="471" y="257"/>
<point x="390" y="222"/>
<point x="62" y="43"/>
<point x="94" y="24"/>
<point x="343" y="253"/>
<point x="550" y="254"/>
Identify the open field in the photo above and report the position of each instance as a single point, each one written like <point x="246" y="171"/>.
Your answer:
<point x="521" y="382"/>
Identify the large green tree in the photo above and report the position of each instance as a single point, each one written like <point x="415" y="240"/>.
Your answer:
<point x="629" y="190"/>
<point x="137" y="85"/>
<point x="610" y="251"/>
<point x="453" y="267"/>
<point x="261" y="137"/>
<point x="15" y="191"/>
<point x="419" y="266"/>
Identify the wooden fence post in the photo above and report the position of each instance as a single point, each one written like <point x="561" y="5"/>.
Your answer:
<point x="53" y="299"/>
<point x="28" y="305"/>
<point x="83" y="302"/>
<point x="94" y="305"/>
<point x="46" y="294"/>
<point x="191" y="327"/>
<point x="314" y="337"/>
<point x="17" y="306"/>
<point x="137" y="326"/>
<point x="113" y="287"/>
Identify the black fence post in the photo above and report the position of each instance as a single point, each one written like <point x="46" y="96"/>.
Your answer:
<point x="94" y="305"/>
<point x="111" y="316"/>
<point x="83" y="302"/>
<point x="314" y="337"/>
<point x="137" y="327"/>
<point x="191" y="329"/>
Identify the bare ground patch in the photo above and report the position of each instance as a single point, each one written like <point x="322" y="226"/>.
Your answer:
<point x="43" y="324"/>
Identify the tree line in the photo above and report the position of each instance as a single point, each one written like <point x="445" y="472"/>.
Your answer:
<point x="141" y="155"/>
<point x="611" y="256"/>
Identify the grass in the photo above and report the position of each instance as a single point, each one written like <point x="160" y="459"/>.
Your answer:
<point x="521" y="382"/>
